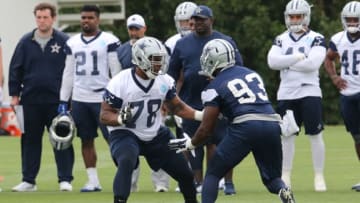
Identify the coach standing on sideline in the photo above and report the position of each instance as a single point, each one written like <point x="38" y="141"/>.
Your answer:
<point x="35" y="76"/>
<point x="185" y="59"/>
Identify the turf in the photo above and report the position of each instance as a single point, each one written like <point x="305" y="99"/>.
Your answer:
<point x="341" y="172"/>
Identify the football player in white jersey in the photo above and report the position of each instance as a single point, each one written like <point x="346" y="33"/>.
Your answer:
<point x="136" y="29"/>
<point x="131" y="110"/>
<point x="91" y="58"/>
<point x="345" y="47"/>
<point x="298" y="54"/>
<point x="183" y="22"/>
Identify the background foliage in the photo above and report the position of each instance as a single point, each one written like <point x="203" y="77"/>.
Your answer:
<point x="253" y="24"/>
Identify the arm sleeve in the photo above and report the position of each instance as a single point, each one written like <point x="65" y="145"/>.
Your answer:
<point x="278" y="61"/>
<point x="114" y="64"/>
<point x="67" y="79"/>
<point x="313" y="62"/>
<point x="16" y="71"/>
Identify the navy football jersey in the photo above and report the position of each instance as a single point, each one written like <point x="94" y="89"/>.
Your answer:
<point x="237" y="91"/>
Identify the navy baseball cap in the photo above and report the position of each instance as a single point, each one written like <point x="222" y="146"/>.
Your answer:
<point x="202" y="11"/>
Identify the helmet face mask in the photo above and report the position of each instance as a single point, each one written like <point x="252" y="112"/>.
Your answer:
<point x="150" y="55"/>
<point x="350" y="17"/>
<point x="182" y="17"/>
<point x="61" y="132"/>
<point x="293" y="10"/>
<point x="218" y="54"/>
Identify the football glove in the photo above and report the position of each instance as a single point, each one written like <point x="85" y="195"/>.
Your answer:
<point x="63" y="108"/>
<point x="182" y="144"/>
<point x="125" y="115"/>
<point x="288" y="124"/>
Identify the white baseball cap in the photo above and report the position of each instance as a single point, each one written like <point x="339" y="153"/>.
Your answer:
<point x="135" y="20"/>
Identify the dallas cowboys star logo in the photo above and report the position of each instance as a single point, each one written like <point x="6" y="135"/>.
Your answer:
<point x="55" y="48"/>
<point x="198" y="10"/>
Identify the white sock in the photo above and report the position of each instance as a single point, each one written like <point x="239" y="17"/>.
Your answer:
<point x="288" y="148"/>
<point x="92" y="175"/>
<point x="318" y="153"/>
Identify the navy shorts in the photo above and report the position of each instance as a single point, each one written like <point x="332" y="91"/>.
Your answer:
<point x="350" y="111"/>
<point x="86" y="117"/>
<point x="307" y="111"/>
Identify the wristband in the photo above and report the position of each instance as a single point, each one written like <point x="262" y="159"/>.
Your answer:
<point x="198" y="115"/>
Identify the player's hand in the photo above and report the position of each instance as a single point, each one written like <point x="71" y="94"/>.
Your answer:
<point x="339" y="82"/>
<point x="125" y="115"/>
<point x="63" y="108"/>
<point x="182" y="144"/>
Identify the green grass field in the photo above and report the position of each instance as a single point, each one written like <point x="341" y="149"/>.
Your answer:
<point x="341" y="172"/>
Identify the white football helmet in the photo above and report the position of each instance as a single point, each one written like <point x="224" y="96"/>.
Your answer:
<point x="297" y="7"/>
<point x="216" y="54"/>
<point x="351" y="10"/>
<point x="61" y="132"/>
<point x="183" y="12"/>
<point x="150" y="55"/>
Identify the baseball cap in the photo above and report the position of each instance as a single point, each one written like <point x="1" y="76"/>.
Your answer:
<point x="202" y="11"/>
<point x="135" y="21"/>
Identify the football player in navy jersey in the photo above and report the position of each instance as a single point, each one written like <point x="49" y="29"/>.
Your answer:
<point x="131" y="111"/>
<point x="185" y="60"/>
<point x="298" y="54"/>
<point x="91" y="56"/>
<point x="345" y="46"/>
<point x="239" y="94"/>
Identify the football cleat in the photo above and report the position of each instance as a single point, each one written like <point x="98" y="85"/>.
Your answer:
<point x="65" y="186"/>
<point x="198" y="187"/>
<point x="356" y="187"/>
<point x="24" y="187"/>
<point x="319" y="183"/>
<point x="221" y="184"/>
<point x="160" y="188"/>
<point x="229" y="188"/>
<point x="286" y="195"/>
<point x="89" y="187"/>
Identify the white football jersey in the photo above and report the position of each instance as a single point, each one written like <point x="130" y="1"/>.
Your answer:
<point x="146" y="98"/>
<point x="90" y="71"/>
<point x="171" y="42"/>
<point x="301" y="79"/>
<point x="349" y="52"/>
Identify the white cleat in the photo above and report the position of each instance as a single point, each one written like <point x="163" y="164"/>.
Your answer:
<point x="24" y="187"/>
<point x="160" y="188"/>
<point x="65" y="186"/>
<point x="319" y="183"/>
<point x="356" y="187"/>
<point x="222" y="184"/>
<point x="177" y="189"/>
<point x="89" y="187"/>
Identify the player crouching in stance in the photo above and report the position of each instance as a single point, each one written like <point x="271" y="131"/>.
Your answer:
<point x="131" y="110"/>
<point x="237" y="93"/>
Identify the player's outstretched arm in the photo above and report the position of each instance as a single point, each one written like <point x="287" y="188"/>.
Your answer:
<point x="180" y="108"/>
